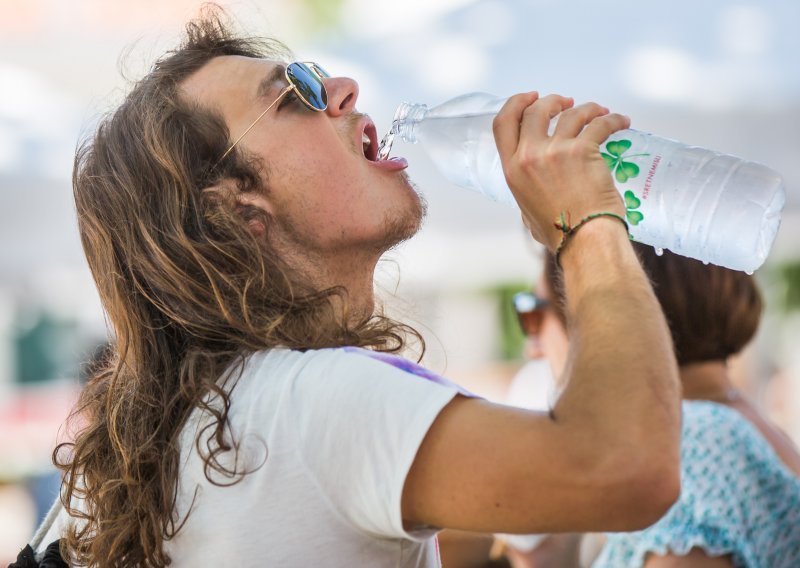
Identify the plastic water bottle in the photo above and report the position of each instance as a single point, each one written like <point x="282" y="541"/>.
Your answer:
<point x="695" y="202"/>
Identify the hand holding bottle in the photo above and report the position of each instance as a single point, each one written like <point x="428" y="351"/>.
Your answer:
<point x="693" y="201"/>
<point x="559" y="173"/>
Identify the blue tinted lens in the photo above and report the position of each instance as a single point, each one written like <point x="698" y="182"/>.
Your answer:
<point x="320" y="71"/>
<point x="308" y="84"/>
<point x="524" y="302"/>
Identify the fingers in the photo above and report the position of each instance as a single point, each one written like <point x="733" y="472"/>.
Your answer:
<point x="528" y="115"/>
<point x="506" y="124"/>
<point x="601" y="128"/>
<point x="571" y="122"/>
<point x="537" y="117"/>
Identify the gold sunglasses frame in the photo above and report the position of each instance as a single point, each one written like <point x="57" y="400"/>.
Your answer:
<point x="288" y="88"/>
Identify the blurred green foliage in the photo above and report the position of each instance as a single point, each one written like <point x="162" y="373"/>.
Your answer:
<point x="511" y="337"/>
<point x="47" y="348"/>
<point x="789" y="276"/>
<point x="323" y="14"/>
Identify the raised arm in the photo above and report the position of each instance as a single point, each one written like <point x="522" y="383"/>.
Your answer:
<point x="607" y="458"/>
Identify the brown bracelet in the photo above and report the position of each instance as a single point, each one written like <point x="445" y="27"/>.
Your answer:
<point x="567" y="230"/>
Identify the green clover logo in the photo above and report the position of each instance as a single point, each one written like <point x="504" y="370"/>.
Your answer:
<point x="632" y="203"/>
<point x="621" y="169"/>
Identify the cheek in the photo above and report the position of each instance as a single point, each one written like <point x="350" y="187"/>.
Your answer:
<point x="321" y="194"/>
<point x="312" y="179"/>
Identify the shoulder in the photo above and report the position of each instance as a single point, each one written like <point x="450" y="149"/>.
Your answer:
<point x="308" y="388"/>
<point x="365" y="369"/>
<point x="726" y="461"/>
<point x="736" y="497"/>
<point x="717" y="438"/>
<point x="701" y="416"/>
<point x="280" y="380"/>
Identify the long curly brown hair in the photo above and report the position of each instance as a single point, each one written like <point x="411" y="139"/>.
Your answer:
<point x="189" y="291"/>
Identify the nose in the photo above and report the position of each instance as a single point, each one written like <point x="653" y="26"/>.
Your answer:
<point x="533" y="349"/>
<point x="342" y="95"/>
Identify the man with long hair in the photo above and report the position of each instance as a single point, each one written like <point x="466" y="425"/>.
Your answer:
<point x="254" y="409"/>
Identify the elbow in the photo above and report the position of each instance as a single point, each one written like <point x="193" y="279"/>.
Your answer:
<point x="649" y="493"/>
<point x="656" y="494"/>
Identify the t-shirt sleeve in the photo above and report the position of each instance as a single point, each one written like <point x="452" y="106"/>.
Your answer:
<point x="359" y="423"/>
<point x="736" y="498"/>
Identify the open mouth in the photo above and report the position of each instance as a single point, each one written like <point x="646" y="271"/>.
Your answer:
<point x="369" y="142"/>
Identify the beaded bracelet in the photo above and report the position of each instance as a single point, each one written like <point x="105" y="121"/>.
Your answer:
<point x="568" y="230"/>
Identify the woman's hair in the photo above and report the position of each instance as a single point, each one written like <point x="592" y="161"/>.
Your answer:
<point x="189" y="291"/>
<point x="712" y="312"/>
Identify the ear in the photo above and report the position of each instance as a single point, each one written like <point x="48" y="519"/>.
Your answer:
<point x="254" y="207"/>
<point x="256" y="199"/>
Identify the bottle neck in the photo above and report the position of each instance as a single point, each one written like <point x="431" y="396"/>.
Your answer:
<point x="406" y="118"/>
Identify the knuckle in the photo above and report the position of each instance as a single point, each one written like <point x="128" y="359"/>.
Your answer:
<point x="587" y="110"/>
<point x="594" y="107"/>
<point x="527" y="163"/>
<point x="553" y="154"/>
<point x="498" y="122"/>
<point x="581" y="148"/>
<point x="617" y="118"/>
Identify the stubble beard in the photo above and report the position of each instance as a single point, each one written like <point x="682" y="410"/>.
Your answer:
<point x="400" y="226"/>
<point x="302" y="254"/>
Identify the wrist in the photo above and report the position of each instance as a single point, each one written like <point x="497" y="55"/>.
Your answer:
<point x="568" y="230"/>
<point x="604" y="242"/>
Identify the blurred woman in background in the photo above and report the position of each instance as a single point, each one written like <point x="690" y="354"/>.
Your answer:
<point x="740" y="501"/>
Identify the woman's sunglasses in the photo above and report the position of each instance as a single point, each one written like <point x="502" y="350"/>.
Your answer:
<point x="530" y="310"/>
<point x="305" y="79"/>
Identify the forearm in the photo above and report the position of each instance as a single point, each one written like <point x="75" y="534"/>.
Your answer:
<point x="607" y="458"/>
<point x="621" y="377"/>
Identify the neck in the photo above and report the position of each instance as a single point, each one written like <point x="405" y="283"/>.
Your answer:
<point x="356" y="277"/>
<point x="359" y="303"/>
<point x="351" y="270"/>
<point x="708" y="380"/>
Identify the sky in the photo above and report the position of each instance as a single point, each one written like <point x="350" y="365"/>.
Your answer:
<point x="719" y="74"/>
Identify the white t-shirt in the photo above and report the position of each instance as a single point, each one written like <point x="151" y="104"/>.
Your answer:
<point x="328" y="437"/>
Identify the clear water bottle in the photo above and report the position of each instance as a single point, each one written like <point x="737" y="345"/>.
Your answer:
<point x="692" y="201"/>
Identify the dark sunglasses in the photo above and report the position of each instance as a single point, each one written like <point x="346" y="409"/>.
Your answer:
<point x="305" y="79"/>
<point x="530" y="310"/>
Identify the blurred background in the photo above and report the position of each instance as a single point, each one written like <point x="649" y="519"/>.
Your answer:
<point x="721" y="74"/>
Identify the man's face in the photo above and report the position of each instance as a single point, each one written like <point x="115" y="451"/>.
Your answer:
<point x="326" y="195"/>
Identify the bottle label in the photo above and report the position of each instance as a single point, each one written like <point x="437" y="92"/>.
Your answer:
<point x="635" y="165"/>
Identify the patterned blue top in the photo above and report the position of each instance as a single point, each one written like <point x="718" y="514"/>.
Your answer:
<point x="737" y="498"/>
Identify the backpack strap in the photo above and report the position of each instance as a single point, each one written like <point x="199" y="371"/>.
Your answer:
<point x="48" y="521"/>
<point x="50" y="557"/>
